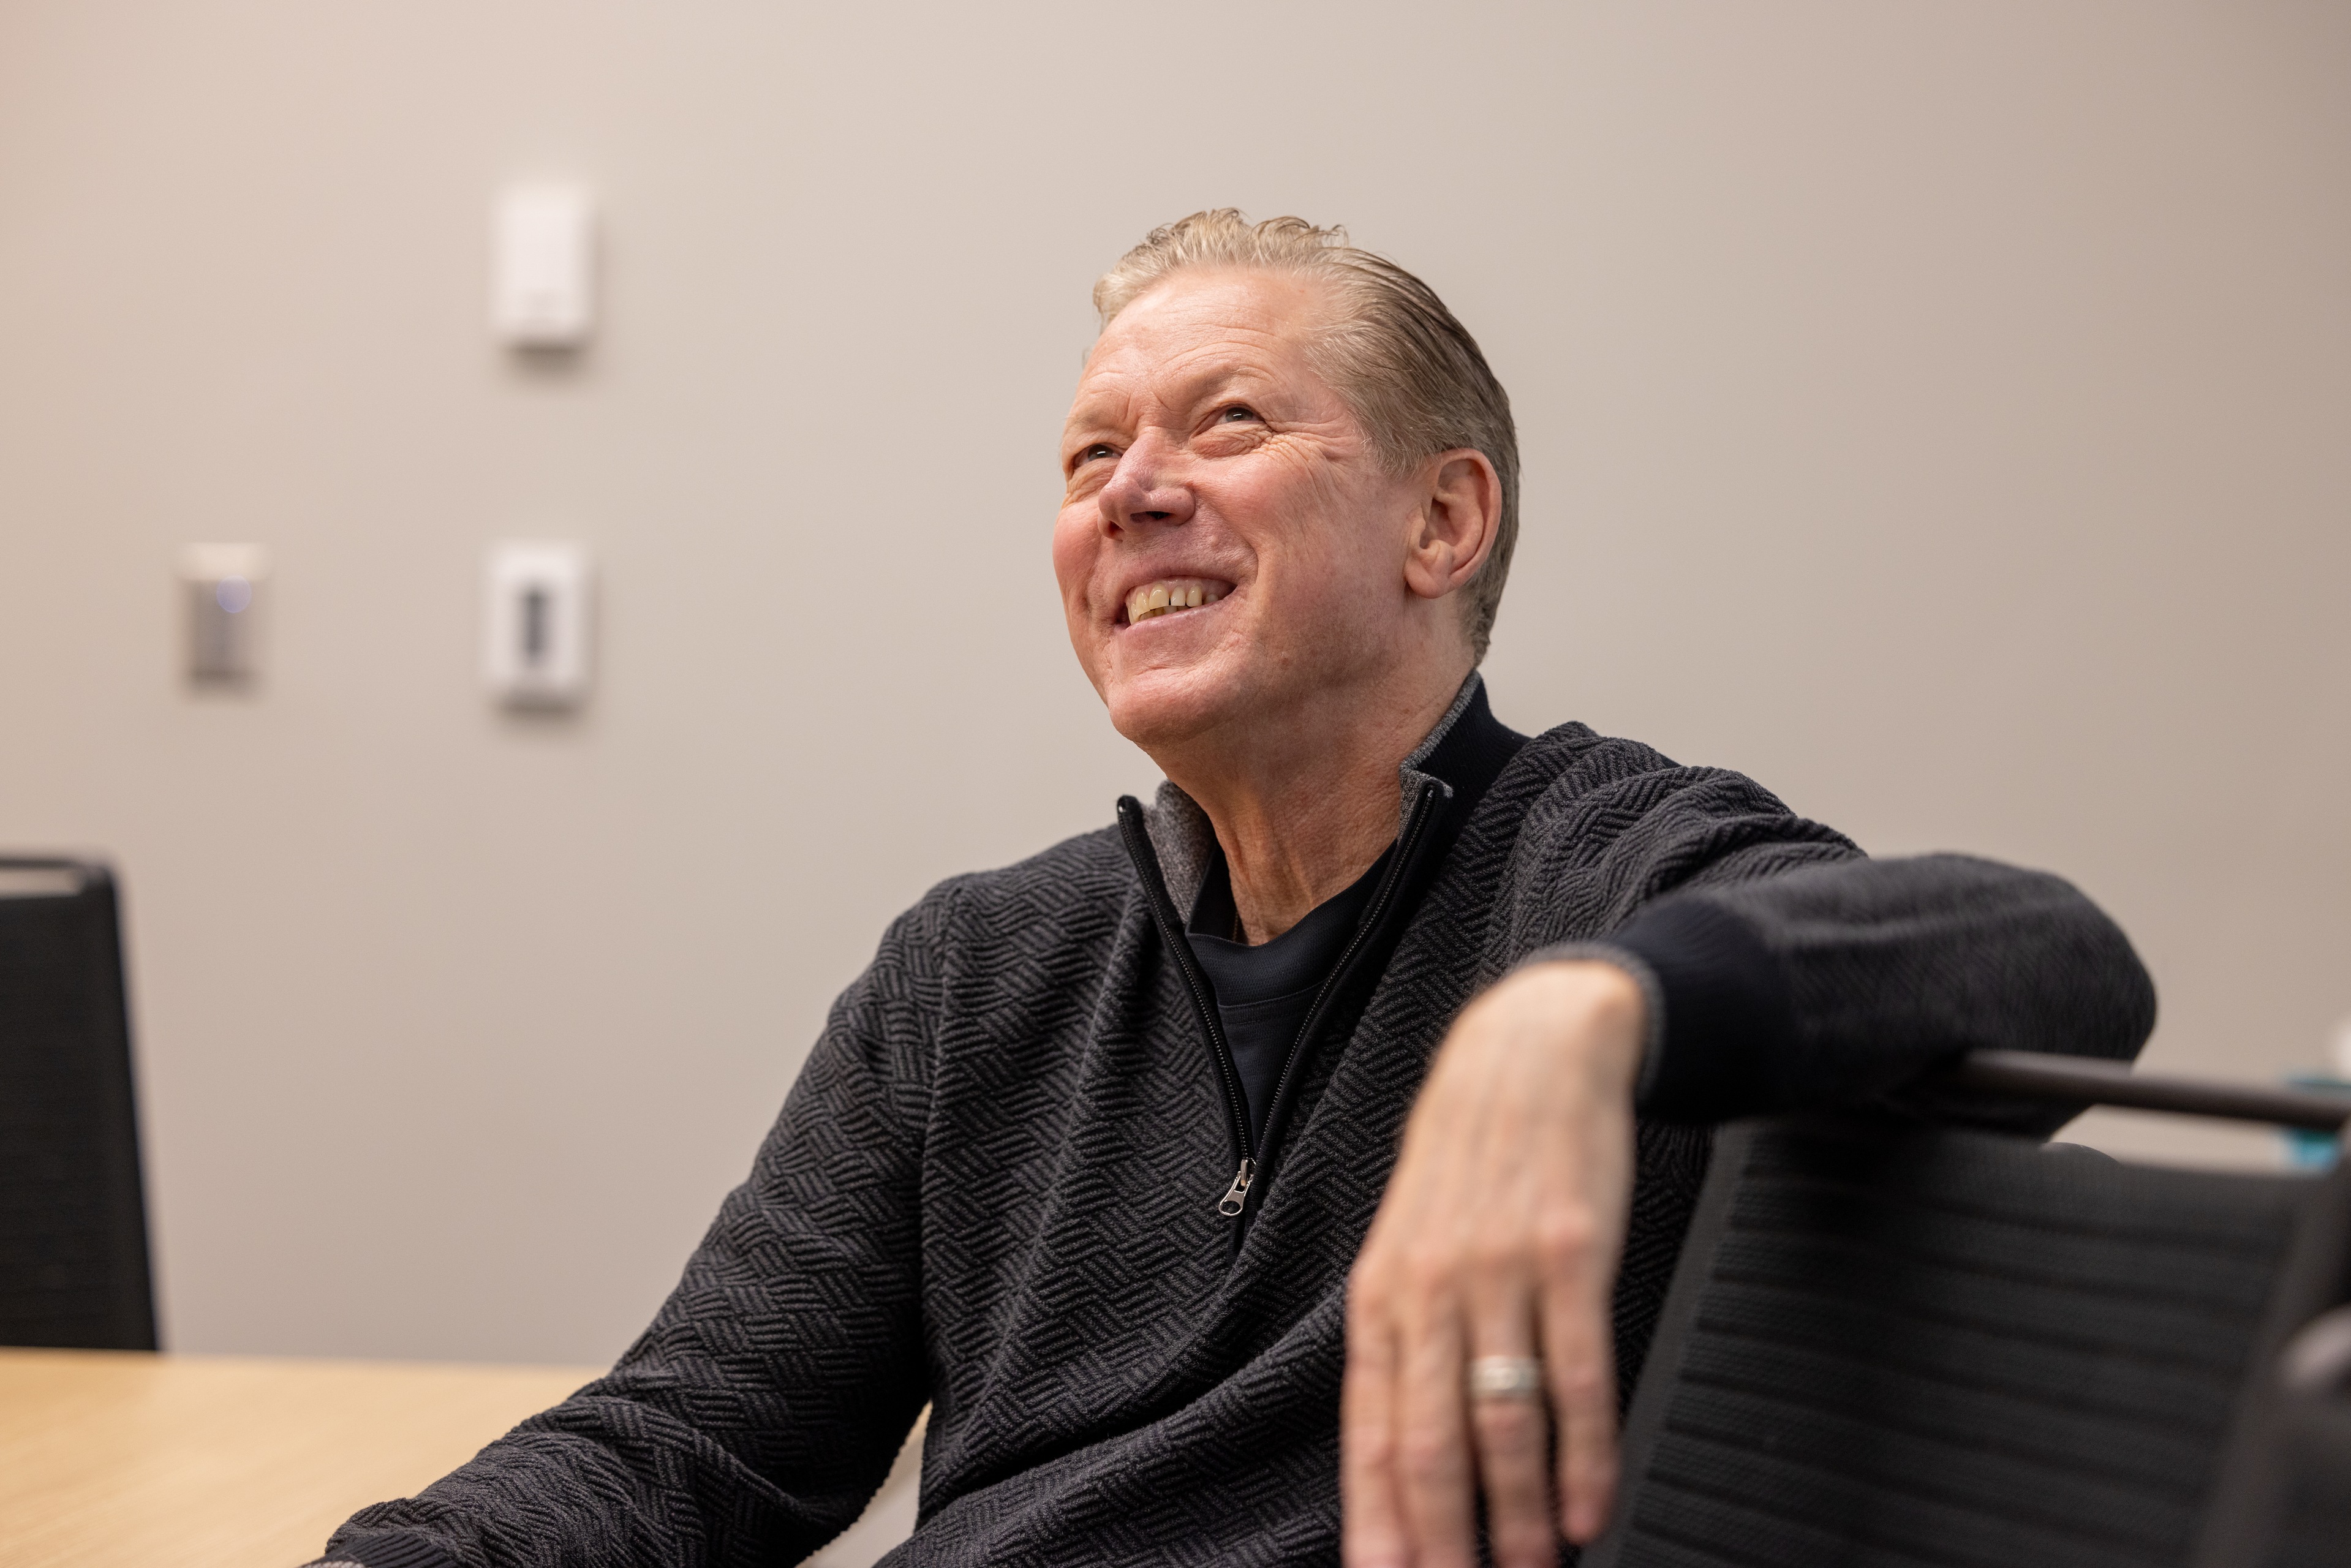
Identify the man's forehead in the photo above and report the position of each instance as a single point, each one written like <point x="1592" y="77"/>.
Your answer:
<point x="1179" y="344"/>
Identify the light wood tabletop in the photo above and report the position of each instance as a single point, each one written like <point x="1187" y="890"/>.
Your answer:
<point x="117" y="1459"/>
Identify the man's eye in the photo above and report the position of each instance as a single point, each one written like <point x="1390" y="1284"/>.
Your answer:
<point x="1098" y="451"/>
<point x="1238" y="413"/>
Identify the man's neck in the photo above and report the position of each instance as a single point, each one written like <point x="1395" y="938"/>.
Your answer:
<point x="1304" y="810"/>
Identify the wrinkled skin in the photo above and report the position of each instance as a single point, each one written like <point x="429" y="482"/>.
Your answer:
<point x="1208" y="445"/>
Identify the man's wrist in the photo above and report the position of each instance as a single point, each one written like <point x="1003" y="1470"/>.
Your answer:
<point x="1603" y="1004"/>
<point x="1631" y="970"/>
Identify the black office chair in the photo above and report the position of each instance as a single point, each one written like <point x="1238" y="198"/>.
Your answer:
<point x="1895" y="1343"/>
<point x="73" y="1222"/>
<point x="2287" y="1503"/>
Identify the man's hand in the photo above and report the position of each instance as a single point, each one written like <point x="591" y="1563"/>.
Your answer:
<point x="1499" y="1237"/>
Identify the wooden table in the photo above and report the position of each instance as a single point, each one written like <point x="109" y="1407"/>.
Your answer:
<point x="115" y="1459"/>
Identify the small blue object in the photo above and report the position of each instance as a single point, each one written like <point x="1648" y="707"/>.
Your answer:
<point x="2304" y="1149"/>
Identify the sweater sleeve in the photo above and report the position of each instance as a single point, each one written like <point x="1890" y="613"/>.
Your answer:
<point x="753" y="1420"/>
<point x="1841" y="983"/>
<point x="1791" y="971"/>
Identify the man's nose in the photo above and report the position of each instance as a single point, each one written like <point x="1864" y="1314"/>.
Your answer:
<point x="1143" y="489"/>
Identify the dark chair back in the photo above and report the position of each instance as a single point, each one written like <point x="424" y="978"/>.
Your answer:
<point x="1905" y="1344"/>
<point x="73" y="1222"/>
<point x="2287" y="1502"/>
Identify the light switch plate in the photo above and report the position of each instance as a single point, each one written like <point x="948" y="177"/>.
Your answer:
<point x="538" y="623"/>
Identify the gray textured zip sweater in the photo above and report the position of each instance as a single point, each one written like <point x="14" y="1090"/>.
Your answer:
<point x="996" y="1187"/>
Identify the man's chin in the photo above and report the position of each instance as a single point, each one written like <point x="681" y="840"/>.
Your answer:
<point x="1171" y="709"/>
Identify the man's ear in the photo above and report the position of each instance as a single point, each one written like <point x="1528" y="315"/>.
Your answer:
<point x="1460" y="510"/>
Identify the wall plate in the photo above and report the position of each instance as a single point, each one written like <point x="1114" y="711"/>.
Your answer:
<point x="538" y="623"/>
<point x="222" y="590"/>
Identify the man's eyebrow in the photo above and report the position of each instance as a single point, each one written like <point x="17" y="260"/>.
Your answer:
<point x="1111" y="411"/>
<point x="1212" y="379"/>
<point x="1087" y="425"/>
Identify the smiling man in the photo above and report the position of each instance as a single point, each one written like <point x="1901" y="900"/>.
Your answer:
<point x="1297" y="1165"/>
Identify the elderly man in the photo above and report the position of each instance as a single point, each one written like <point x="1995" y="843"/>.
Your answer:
<point x="1107" y="1156"/>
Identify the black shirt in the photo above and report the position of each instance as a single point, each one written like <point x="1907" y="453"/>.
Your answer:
<point x="1264" y="992"/>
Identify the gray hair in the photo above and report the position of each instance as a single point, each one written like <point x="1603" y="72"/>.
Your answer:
<point x="1410" y="372"/>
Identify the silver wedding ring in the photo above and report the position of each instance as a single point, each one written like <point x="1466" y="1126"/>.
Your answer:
<point x="1506" y="1377"/>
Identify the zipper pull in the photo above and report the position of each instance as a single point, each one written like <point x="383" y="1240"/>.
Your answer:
<point x="1235" y="1197"/>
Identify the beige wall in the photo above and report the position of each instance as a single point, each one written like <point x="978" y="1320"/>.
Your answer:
<point x="1936" y="410"/>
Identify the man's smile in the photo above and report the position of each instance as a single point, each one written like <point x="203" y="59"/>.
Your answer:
<point x="1169" y="596"/>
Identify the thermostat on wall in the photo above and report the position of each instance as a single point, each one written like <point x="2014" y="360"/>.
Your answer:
<point x="542" y="293"/>
<point x="536" y="630"/>
<point x="222" y="588"/>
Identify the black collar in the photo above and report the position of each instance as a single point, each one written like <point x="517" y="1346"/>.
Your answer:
<point x="1471" y="755"/>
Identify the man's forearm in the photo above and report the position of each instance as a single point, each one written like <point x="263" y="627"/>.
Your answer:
<point x="1838" y="983"/>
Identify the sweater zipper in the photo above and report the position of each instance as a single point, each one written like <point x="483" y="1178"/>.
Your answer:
<point x="1407" y="853"/>
<point x="1235" y="1200"/>
<point x="1171" y="933"/>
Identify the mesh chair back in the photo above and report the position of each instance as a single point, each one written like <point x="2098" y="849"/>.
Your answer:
<point x="2311" y="1527"/>
<point x="73" y="1225"/>
<point x="2287" y="1499"/>
<point x="1912" y="1345"/>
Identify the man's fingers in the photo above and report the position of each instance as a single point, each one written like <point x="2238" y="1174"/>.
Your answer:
<point x="1510" y="1187"/>
<point x="1433" y="1463"/>
<point x="1373" y="1528"/>
<point x="1579" y="1361"/>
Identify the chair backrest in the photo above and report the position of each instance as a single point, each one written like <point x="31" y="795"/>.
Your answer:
<point x="1905" y="1344"/>
<point x="2286" y="1503"/>
<point x="73" y="1225"/>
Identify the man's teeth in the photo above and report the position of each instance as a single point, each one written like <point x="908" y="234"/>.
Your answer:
<point x="1160" y="598"/>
